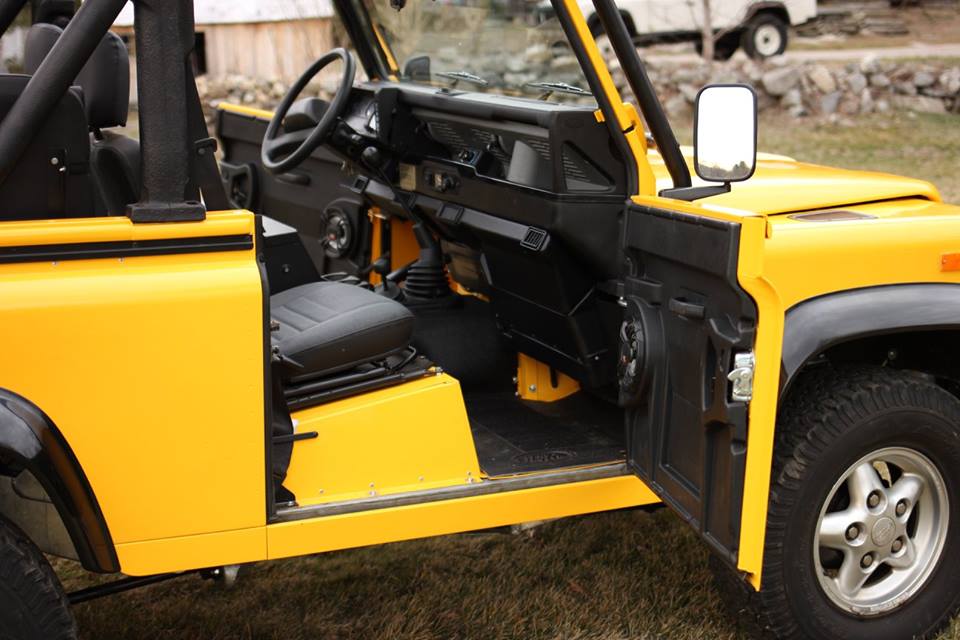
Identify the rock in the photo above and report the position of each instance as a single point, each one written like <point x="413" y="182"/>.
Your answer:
<point x="564" y="62"/>
<point x="791" y="98"/>
<point x="830" y="102"/>
<point x="517" y="65"/>
<point x="866" y="101"/>
<point x="950" y="80"/>
<point x="777" y="82"/>
<point x="689" y="92"/>
<point x="919" y="104"/>
<point x="677" y="107"/>
<point x="857" y="82"/>
<point x="539" y="54"/>
<point x="906" y="88"/>
<point x="923" y="79"/>
<point x="870" y="65"/>
<point x="879" y="80"/>
<point x="821" y="77"/>
<point x="797" y="111"/>
<point x="882" y="106"/>
<point x="249" y="97"/>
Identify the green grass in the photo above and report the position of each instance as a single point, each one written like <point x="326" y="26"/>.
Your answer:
<point x="615" y="576"/>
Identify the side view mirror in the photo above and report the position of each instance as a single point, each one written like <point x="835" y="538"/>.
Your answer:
<point x="725" y="133"/>
<point x="417" y="68"/>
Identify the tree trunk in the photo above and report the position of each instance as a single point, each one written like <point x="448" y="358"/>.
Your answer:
<point x="706" y="32"/>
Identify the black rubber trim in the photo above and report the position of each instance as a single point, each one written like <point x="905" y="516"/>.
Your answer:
<point x="29" y="440"/>
<point x="124" y="249"/>
<point x="271" y="505"/>
<point x="815" y="325"/>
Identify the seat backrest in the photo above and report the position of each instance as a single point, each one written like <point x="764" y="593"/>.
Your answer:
<point x="105" y="78"/>
<point x="52" y="178"/>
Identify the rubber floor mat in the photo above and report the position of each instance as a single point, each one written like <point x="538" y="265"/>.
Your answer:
<point x="513" y="436"/>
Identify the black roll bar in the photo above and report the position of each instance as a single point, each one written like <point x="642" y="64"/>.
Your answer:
<point x="52" y="80"/>
<point x="9" y="10"/>
<point x="164" y="36"/>
<point x="640" y="84"/>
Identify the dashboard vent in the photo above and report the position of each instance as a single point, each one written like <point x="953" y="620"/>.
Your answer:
<point x="534" y="239"/>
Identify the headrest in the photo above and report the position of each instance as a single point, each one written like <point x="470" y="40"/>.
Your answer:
<point x="106" y="83"/>
<point x="40" y="40"/>
<point x="105" y="78"/>
<point x="56" y="12"/>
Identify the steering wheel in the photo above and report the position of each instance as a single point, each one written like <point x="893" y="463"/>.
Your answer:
<point x="276" y="154"/>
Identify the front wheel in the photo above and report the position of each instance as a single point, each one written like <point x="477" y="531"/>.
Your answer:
<point x="32" y="603"/>
<point x="765" y="36"/>
<point x="864" y="506"/>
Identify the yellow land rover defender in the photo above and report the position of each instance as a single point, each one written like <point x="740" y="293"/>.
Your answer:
<point x="473" y="288"/>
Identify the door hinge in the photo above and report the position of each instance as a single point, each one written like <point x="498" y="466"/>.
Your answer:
<point x="742" y="377"/>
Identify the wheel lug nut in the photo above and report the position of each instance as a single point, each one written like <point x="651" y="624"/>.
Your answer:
<point x="897" y="545"/>
<point x="901" y="507"/>
<point x="853" y="532"/>
<point x="873" y="499"/>
<point x="866" y="561"/>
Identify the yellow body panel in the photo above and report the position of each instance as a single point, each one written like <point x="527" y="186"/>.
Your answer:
<point x="453" y="516"/>
<point x="151" y="367"/>
<point x="193" y="552"/>
<point x="407" y="438"/>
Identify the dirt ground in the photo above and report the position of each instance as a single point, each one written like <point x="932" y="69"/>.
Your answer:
<point x="618" y="576"/>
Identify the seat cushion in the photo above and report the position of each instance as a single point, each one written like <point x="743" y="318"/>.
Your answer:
<point x="326" y="327"/>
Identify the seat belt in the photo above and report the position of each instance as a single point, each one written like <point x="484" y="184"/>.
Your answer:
<point x="203" y="166"/>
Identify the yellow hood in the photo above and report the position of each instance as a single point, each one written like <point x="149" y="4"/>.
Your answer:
<point x="783" y="185"/>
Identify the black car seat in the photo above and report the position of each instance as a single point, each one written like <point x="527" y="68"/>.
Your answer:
<point x="52" y="177"/>
<point x="105" y="84"/>
<point x="324" y="328"/>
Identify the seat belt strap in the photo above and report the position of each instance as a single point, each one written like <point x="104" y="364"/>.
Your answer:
<point x="206" y="172"/>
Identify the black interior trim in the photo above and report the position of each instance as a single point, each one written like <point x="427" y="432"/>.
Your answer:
<point x="124" y="249"/>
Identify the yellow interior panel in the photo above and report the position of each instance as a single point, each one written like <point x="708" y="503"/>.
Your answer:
<point x="406" y="438"/>
<point x="150" y="366"/>
<point x="538" y="382"/>
<point x="453" y="516"/>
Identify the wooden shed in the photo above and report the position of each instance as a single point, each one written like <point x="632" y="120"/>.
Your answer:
<point x="261" y="39"/>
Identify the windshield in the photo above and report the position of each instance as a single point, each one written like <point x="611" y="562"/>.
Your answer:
<point x="509" y="47"/>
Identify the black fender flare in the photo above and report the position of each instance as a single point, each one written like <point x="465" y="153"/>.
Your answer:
<point x="30" y="440"/>
<point x="813" y="326"/>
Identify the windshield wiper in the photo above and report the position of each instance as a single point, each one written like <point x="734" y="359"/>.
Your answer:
<point x="466" y="76"/>
<point x="558" y="87"/>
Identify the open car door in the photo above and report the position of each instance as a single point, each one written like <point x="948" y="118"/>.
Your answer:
<point x="687" y="325"/>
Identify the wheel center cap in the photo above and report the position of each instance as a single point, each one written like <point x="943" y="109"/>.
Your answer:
<point x="883" y="532"/>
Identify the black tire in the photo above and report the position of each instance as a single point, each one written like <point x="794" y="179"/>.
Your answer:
<point x="832" y="419"/>
<point x="33" y="605"/>
<point x="723" y="48"/>
<point x="757" y="36"/>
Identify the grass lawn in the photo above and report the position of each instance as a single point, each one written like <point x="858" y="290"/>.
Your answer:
<point x="615" y="576"/>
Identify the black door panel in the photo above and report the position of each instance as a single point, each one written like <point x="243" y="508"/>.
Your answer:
<point x="686" y="437"/>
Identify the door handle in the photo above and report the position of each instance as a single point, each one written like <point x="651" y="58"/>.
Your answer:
<point x="299" y="179"/>
<point x="687" y="309"/>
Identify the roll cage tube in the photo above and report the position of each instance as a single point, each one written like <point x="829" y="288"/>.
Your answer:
<point x="9" y="10"/>
<point x="616" y="29"/>
<point x="30" y="441"/>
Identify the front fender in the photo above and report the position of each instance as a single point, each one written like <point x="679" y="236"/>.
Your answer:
<point x="30" y="441"/>
<point x="814" y="326"/>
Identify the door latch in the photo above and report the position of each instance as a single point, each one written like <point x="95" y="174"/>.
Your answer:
<point x="742" y="377"/>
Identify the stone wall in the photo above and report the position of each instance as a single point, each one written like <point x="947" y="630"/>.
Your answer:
<point x="801" y="90"/>
<point x="815" y="89"/>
